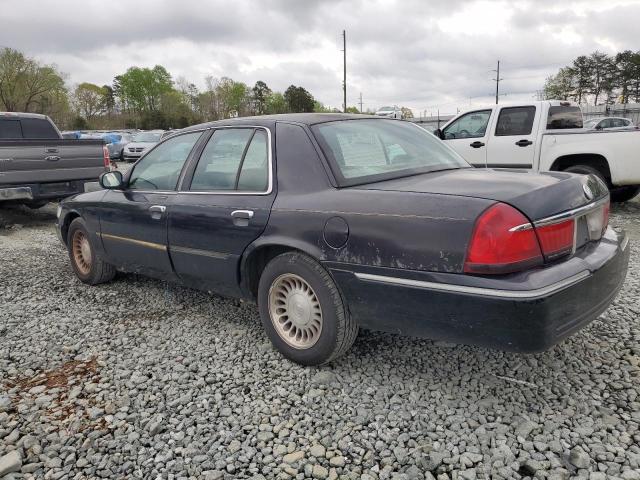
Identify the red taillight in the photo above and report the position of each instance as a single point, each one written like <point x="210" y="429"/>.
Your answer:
<point x="105" y="157"/>
<point x="503" y="241"/>
<point x="556" y="239"/>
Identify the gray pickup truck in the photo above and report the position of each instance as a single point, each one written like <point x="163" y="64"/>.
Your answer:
<point x="38" y="166"/>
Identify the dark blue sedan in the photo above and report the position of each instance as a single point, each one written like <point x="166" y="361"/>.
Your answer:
<point x="331" y="223"/>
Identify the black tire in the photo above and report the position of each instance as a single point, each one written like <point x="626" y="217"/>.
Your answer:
<point x="338" y="331"/>
<point x="624" y="194"/>
<point x="586" y="170"/>
<point x="98" y="271"/>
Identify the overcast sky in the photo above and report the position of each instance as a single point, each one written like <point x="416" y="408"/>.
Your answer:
<point x="417" y="53"/>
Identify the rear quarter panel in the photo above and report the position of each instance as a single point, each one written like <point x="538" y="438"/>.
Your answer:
<point x="621" y="149"/>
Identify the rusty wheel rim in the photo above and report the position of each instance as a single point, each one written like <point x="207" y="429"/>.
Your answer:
<point x="81" y="249"/>
<point x="295" y="311"/>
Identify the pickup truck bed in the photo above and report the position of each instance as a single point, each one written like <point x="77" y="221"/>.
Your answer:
<point x="35" y="171"/>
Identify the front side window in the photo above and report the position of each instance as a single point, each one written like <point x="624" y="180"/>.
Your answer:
<point x="470" y="125"/>
<point x="562" y="117"/>
<point x="161" y="167"/>
<point x="147" y="137"/>
<point x="38" y="128"/>
<point x="234" y="159"/>
<point x="515" y="121"/>
<point x="364" y="151"/>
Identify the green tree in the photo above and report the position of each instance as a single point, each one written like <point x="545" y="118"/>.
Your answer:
<point x="299" y="99"/>
<point x="276" y="103"/>
<point x="320" y="108"/>
<point x="25" y="85"/>
<point x="140" y="89"/>
<point x="260" y="94"/>
<point x="89" y="100"/>
<point x="559" y="86"/>
<point x="406" y="113"/>
<point x="582" y="71"/>
<point x="601" y="67"/>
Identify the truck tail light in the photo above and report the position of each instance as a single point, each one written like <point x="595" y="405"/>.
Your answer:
<point x="503" y="241"/>
<point x="105" y="157"/>
<point x="557" y="239"/>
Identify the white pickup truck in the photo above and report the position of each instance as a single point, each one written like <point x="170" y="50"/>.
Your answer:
<point x="545" y="136"/>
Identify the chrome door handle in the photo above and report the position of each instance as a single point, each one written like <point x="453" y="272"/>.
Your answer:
<point x="247" y="214"/>
<point x="241" y="217"/>
<point x="157" y="211"/>
<point x="52" y="158"/>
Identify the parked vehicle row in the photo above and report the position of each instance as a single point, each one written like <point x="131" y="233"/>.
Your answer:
<point x="547" y="136"/>
<point x="608" y="123"/>
<point x="332" y="222"/>
<point x="37" y="165"/>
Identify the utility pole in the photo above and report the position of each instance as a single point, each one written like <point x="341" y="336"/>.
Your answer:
<point x="344" y="61"/>
<point x="360" y="102"/>
<point x="497" y="79"/>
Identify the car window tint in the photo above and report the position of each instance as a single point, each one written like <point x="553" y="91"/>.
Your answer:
<point x="38" y="128"/>
<point x="471" y="125"/>
<point x="10" y="129"/>
<point x="161" y="167"/>
<point x="515" y="121"/>
<point x="254" y="175"/>
<point x="562" y="117"/>
<point x="218" y="166"/>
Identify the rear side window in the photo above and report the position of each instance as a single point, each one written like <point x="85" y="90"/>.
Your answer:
<point x="38" y="128"/>
<point x="10" y="129"/>
<point x="515" y="121"/>
<point x="234" y="159"/>
<point x="564" y="117"/>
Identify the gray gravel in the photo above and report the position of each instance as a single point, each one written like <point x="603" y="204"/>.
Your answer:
<point x="141" y="379"/>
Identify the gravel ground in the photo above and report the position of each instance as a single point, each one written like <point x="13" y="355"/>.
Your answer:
<point x="140" y="379"/>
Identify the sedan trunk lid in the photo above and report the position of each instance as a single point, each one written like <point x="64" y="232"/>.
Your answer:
<point x="537" y="195"/>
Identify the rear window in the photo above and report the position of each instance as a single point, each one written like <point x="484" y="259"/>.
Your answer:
<point x="564" y="117"/>
<point x="38" y="128"/>
<point x="363" y="151"/>
<point x="10" y="129"/>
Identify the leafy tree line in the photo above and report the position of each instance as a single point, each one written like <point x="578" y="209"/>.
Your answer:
<point x="598" y="78"/>
<point x="138" y="98"/>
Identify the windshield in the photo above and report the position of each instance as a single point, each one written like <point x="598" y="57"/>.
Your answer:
<point x="363" y="151"/>
<point x="386" y="109"/>
<point x="148" y="137"/>
<point x="591" y="123"/>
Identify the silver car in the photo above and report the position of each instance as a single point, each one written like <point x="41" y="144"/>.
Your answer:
<point x="140" y="143"/>
<point x="609" y="123"/>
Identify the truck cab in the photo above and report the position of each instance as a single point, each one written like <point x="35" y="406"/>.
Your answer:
<point x="546" y="136"/>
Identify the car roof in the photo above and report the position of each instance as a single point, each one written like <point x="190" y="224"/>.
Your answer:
<point x="270" y="120"/>
<point x="22" y="115"/>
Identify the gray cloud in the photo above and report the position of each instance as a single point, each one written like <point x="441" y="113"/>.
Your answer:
<point x="406" y="52"/>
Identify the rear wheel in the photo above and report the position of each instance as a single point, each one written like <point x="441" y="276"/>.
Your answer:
<point x="302" y="310"/>
<point x="87" y="266"/>
<point x="587" y="170"/>
<point x="624" y="194"/>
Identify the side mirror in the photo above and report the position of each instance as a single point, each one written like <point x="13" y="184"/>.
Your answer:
<point x="438" y="133"/>
<point x="111" y="180"/>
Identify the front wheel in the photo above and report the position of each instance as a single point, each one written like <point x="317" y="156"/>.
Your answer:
<point x="302" y="310"/>
<point x="87" y="266"/>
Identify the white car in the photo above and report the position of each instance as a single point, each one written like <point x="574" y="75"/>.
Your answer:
<point x="390" y="112"/>
<point x="546" y="136"/>
<point x="609" y="123"/>
<point x="140" y="143"/>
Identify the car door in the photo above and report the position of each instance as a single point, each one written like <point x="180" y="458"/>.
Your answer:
<point x="468" y="135"/>
<point x="512" y="143"/>
<point x="223" y="205"/>
<point x="133" y="221"/>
